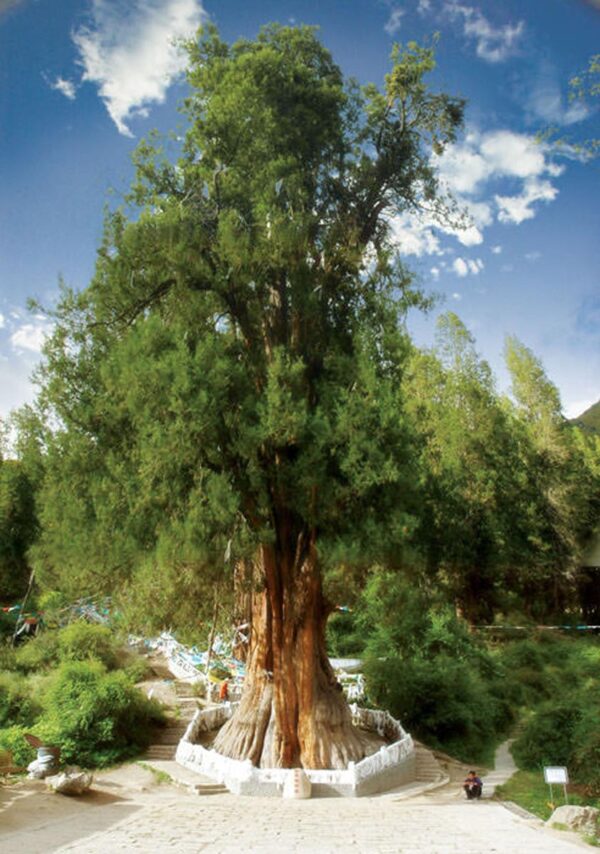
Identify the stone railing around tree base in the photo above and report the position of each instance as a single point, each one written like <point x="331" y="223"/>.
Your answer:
<point x="391" y="766"/>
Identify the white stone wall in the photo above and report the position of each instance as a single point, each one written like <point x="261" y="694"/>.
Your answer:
<point x="391" y="766"/>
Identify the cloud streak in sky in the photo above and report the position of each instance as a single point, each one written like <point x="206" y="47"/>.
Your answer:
<point x="31" y="336"/>
<point x="492" y="43"/>
<point x="65" y="87"/>
<point x="498" y="176"/>
<point x="128" y="51"/>
<point x="394" y="22"/>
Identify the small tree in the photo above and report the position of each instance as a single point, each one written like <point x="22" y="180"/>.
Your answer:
<point x="229" y="383"/>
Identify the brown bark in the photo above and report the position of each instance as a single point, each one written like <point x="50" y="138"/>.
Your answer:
<point x="292" y="712"/>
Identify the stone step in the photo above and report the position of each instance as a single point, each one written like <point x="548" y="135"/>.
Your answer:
<point x="214" y="789"/>
<point x="160" y="751"/>
<point x="183" y="689"/>
<point x="167" y="737"/>
<point x="199" y="784"/>
<point x="427" y="768"/>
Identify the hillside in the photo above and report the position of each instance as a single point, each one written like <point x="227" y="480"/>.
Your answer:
<point x="589" y="420"/>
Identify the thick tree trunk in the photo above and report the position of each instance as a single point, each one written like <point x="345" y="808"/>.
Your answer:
<point x="292" y="712"/>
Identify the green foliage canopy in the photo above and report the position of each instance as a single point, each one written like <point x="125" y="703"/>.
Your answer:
<point x="232" y="375"/>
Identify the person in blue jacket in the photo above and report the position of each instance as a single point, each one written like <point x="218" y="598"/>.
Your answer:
<point x="473" y="786"/>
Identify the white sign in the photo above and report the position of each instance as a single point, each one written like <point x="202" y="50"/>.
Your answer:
<point x="556" y="774"/>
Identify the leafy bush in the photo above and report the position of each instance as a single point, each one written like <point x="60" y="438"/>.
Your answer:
<point x="565" y="733"/>
<point x="52" y="603"/>
<point x="39" y="653"/>
<point x="76" y="642"/>
<point x="16" y="703"/>
<point x="442" y="701"/>
<point x="547" y="738"/>
<point x="8" y="657"/>
<point x="81" y="641"/>
<point x="523" y="655"/>
<point x="136" y="668"/>
<point x="343" y="637"/>
<point x="13" y="739"/>
<point x="585" y="756"/>
<point x="95" y="717"/>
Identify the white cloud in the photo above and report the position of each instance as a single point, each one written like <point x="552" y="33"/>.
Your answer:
<point x="494" y="44"/>
<point x="31" y="336"/>
<point x="509" y="153"/>
<point x="496" y="250"/>
<point x="466" y="168"/>
<point x="2" y="321"/>
<point x="435" y="273"/>
<point x="129" y="52"/>
<point x="519" y="167"/>
<point x="462" y="167"/>
<point x="66" y="87"/>
<point x="460" y="267"/>
<point x="463" y="266"/>
<point x="394" y="21"/>
<point x="517" y="209"/>
<point x="547" y="103"/>
<point x="414" y="235"/>
<point x="533" y="256"/>
<point x="457" y="296"/>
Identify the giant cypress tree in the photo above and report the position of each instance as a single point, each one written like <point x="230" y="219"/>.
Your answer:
<point x="230" y="380"/>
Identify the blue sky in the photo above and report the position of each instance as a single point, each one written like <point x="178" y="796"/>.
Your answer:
<point x="81" y="81"/>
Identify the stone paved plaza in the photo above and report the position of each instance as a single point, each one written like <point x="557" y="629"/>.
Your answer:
<point x="163" y="819"/>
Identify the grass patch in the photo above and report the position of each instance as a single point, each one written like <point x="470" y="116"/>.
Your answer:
<point x="159" y="776"/>
<point x="529" y="791"/>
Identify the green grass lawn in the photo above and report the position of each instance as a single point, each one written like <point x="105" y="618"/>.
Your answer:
<point x="528" y="790"/>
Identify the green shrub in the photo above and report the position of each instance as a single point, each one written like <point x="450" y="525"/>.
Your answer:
<point x="13" y="739"/>
<point x="8" y="657"/>
<point x="136" y="668"/>
<point x="566" y="732"/>
<point x="39" y="653"/>
<point x="343" y="637"/>
<point x="585" y="757"/>
<point x="442" y="701"/>
<point x="523" y="655"/>
<point x="547" y="737"/>
<point x="81" y="641"/>
<point x="95" y="717"/>
<point x="17" y="705"/>
<point x="52" y="604"/>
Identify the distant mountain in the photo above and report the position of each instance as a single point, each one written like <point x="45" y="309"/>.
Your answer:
<point x="589" y="420"/>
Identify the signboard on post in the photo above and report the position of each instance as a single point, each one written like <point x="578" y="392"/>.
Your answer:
<point x="556" y="774"/>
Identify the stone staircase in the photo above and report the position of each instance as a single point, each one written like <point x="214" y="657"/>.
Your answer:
<point x="166" y="738"/>
<point x="427" y="769"/>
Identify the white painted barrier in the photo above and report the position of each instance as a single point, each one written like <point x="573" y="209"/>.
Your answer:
<point x="391" y="766"/>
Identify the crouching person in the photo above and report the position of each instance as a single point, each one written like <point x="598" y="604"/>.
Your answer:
<point x="472" y="786"/>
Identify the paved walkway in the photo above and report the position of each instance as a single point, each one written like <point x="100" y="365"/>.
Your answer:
<point x="134" y="814"/>
<point x="226" y="824"/>
<point x="504" y="768"/>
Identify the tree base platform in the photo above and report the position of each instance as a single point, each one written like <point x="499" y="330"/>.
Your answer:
<point x="391" y="766"/>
